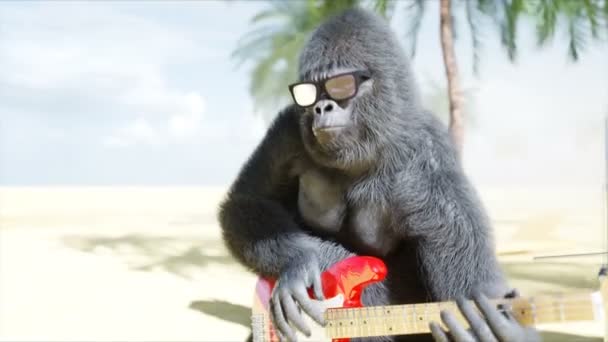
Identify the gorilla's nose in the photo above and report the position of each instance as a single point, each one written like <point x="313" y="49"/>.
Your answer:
<point x="324" y="107"/>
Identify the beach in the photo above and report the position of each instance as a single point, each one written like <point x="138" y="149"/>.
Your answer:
<point x="148" y="263"/>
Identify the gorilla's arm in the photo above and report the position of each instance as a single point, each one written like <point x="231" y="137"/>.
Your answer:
<point x="440" y="209"/>
<point x="258" y="220"/>
<point x="258" y="215"/>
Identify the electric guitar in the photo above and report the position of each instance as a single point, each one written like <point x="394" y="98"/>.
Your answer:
<point x="346" y="317"/>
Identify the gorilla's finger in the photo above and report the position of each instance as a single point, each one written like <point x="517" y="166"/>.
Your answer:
<point x="280" y="335"/>
<point x="498" y="322"/>
<point x="301" y="295"/>
<point x="438" y="334"/>
<point x="316" y="286"/>
<point x="478" y="324"/>
<point x="290" y="309"/>
<point x="278" y="319"/>
<point x="458" y="332"/>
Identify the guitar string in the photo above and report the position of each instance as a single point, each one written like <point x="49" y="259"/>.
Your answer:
<point x="364" y="331"/>
<point x="517" y="312"/>
<point x="433" y="308"/>
<point x="570" y="308"/>
<point x="573" y="309"/>
<point x="541" y="308"/>
<point x="570" y="303"/>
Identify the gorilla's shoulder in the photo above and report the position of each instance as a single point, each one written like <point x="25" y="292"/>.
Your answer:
<point x="433" y="139"/>
<point x="287" y="117"/>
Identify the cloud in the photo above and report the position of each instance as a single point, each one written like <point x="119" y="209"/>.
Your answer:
<point x="114" y="141"/>
<point x="108" y="92"/>
<point x="141" y="130"/>
<point x="80" y="61"/>
<point x="185" y="123"/>
<point x="181" y="121"/>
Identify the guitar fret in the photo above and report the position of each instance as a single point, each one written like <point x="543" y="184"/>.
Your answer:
<point x="359" y="325"/>
<point x="379" y="314"/>
<point x="387" y="312"/>
<point x="333" y="326"/>
<point x="533" y="310"/>
<point x="414" y="316"/>
<point x="354" y="327"/>
<point x="439" y="308"/>
<point x="404" y="321"/>
<point x="347" y="322"/>
<point x="367" y="329"/>
<point x="342" y="321"/>
<point x="372" y="326"/>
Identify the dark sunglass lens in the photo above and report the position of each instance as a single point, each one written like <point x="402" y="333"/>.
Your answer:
<point x="341" y="87"/>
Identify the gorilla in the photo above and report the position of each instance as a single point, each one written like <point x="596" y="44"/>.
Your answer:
<point x="357" y="167"/>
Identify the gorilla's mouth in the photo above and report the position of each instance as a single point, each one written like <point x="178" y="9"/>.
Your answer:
<point x="327" y="134"/>
<point x="328" y="128"/>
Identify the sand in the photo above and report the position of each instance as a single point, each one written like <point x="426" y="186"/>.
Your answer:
<point x="148" y="264"/>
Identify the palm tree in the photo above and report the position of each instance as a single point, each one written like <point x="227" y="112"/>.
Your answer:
<point x="584" y="19"/>
<point x="451" y="72"/>
<point x="274" y="48"/>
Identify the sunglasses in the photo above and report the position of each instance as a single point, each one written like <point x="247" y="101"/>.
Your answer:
<point x="338" y="88"/>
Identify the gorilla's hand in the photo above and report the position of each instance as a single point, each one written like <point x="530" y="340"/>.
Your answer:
<point x="497" y="325"/>
<point x="290" y="294"/>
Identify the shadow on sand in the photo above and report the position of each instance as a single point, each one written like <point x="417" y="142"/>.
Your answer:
<point x="576" y="276"/>
<point x="226" y="311"/>
<point x="177" y="255"/>
<point x="180" y="255"/>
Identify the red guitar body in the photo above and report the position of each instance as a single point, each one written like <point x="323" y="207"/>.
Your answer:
<point x="345" y="279"/>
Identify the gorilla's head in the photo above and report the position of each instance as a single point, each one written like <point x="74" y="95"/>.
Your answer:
<point x="355" y="88"/>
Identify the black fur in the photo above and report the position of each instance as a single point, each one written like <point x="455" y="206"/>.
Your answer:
<point x="389" y="186"/>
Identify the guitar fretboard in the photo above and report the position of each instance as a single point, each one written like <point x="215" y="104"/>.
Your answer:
<point x="415" y="318"/>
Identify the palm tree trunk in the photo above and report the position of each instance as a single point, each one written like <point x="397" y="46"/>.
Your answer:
<point x="451" y="71"/>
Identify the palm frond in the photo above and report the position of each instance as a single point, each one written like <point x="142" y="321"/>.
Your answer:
<point x="414" y="14"/>
<point x="384" y="7"/>
<point x="253" y="44"/>
<point x="577" y="36"/>
<point x="487" y="7"/>
<point x="269" y="82"/>
<point x="546" y="11"/>
<point x="592" y="12"/>
<point x="473" y="18"/>
<point x="268" y="14"/>
<point x="511" y="11"/>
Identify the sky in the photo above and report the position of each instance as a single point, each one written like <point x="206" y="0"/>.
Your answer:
<point x="145" y="93"/>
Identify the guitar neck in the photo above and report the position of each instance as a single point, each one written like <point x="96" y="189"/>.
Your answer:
<point x="415" y="318"/>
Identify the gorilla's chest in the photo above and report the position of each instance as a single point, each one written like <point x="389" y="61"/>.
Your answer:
<point x="322" y="202"/>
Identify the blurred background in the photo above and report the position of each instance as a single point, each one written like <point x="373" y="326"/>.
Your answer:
<point x="122" y="123"/>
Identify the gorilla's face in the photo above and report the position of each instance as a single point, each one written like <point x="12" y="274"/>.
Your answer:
<point x="354" y="86"/>
<point x="329" y="100"/>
